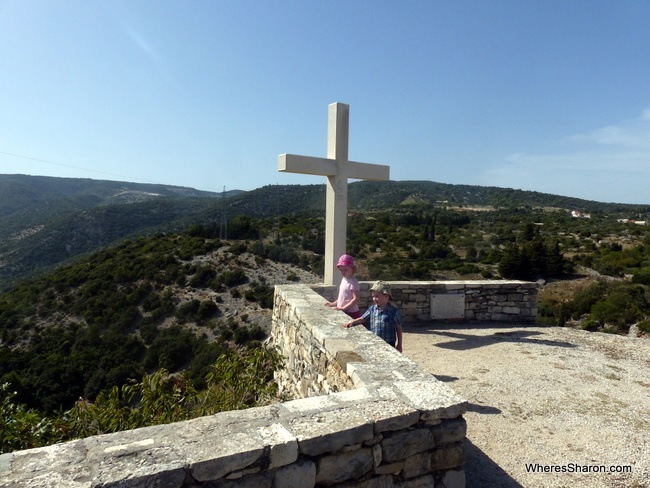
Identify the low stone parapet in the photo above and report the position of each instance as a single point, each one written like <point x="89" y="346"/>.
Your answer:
<point x="384" y="423"/>
<point x="415" y="427"/>
<point x="477" y="300"/>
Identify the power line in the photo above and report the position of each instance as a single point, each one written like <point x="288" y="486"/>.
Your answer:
<point x="63" y="165"/>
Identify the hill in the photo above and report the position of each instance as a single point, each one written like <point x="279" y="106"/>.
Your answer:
<point x="171" y="301"/>
<point x="46" y="221"/>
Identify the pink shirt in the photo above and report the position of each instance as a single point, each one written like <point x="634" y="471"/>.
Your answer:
<point x="347" y="286"/>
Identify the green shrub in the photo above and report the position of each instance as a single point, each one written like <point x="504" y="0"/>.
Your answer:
<point x="203" y="277"/>
<point x="233" y="277"/>
<point x="238" y="248"/>
<point x="644" y="326"/>
<point x="206" y="310"/>
<point x="641" y="277"/>
<point x="590" y="323"/>
<point x="586" y="298"/>
<point x="468" y="269"/>
<point x="188" y="311"/>
<point x="487" y="274"/>
<point x="23" y="428"/>
<point x="261" y="293"/>
<point x="625" y="304"/>
<point x="170" y="349"/>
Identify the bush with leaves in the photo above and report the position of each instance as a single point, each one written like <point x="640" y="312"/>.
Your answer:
<point x="242" y="380"/>
<point x="261" y="293"/>
<point x="172" y="347"/>
<point x="233" y="277"/>
<point x="602" y="304"/>
<point x="624" y="305"/>
<point x="156" y="399"/>
<point x="23" y="428"/>
<point x="238" y="379"/>
<point x="641" y="277"/>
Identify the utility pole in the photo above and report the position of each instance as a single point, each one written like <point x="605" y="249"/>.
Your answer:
<point x="223" y="228"/>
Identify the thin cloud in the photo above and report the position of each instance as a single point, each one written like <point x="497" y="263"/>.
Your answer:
<point x="611" y="163"/>
<point x="142" y="43"/>
<point x="633" y="133"/>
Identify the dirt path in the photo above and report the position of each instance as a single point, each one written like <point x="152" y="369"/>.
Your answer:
<point x="560" y="399"/>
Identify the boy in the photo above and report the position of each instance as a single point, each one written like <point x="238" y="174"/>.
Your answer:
<point x="383" y="317"/>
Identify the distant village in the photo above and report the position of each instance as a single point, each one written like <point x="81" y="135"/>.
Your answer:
<point x="581" y="215"/>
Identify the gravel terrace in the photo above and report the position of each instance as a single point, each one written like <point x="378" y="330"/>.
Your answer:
<point x="562" y="399"/>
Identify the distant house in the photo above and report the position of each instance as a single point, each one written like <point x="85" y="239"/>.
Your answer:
<point x="580" y="215"/>
<point x="631" y="221"/>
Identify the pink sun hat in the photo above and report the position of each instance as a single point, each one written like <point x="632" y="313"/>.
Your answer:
<point x="346" y="260"/>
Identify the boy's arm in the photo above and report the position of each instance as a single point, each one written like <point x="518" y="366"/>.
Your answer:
<point x="353" y="322"/>
<point x="398" y="332"/>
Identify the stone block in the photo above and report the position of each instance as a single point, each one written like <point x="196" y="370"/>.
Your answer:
<point x="454" y="478"/>
<point x="283" y="445"/>
<point x="449" y="430"/>
<point x="417" y="465"/>
<point x="302" y="473"/>
<point x="376" y="455"/>
<point x="329" y="431"/>
<point x="403" y="444"/>
<point x="215" y="467"/>
<point x="341" y="467"/>
<point x="426" y="481"/>
<point x="390" y="468"/>
<point x="374" y="441"/>
<point x="374" y="482"/>
<point x="447" y="456"/>
<point x="434" y="399"/>
<point x="390" y="415"/>
<point x="238" y="475"/>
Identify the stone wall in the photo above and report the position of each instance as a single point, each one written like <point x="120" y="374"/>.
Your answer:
<point x="484" y="300"/>
<point x="384" y="423"/>
<point x="413" y="422"/>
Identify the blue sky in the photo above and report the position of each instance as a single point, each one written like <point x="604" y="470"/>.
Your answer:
<point x="552" y="96"/>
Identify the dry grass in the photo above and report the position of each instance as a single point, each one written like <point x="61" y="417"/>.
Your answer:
<point x="564" y="290"/>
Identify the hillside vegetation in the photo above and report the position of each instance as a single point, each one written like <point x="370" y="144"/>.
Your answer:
<point x="45" y="221"/>
<point x="153" y="330"/>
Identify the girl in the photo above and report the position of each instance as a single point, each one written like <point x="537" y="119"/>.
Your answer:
<point x="348" y="299"/>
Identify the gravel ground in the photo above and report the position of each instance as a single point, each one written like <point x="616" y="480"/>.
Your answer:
<point x="560" y="398"/>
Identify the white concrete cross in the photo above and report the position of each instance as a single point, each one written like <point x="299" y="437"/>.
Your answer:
<point x="338" y="169"/>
